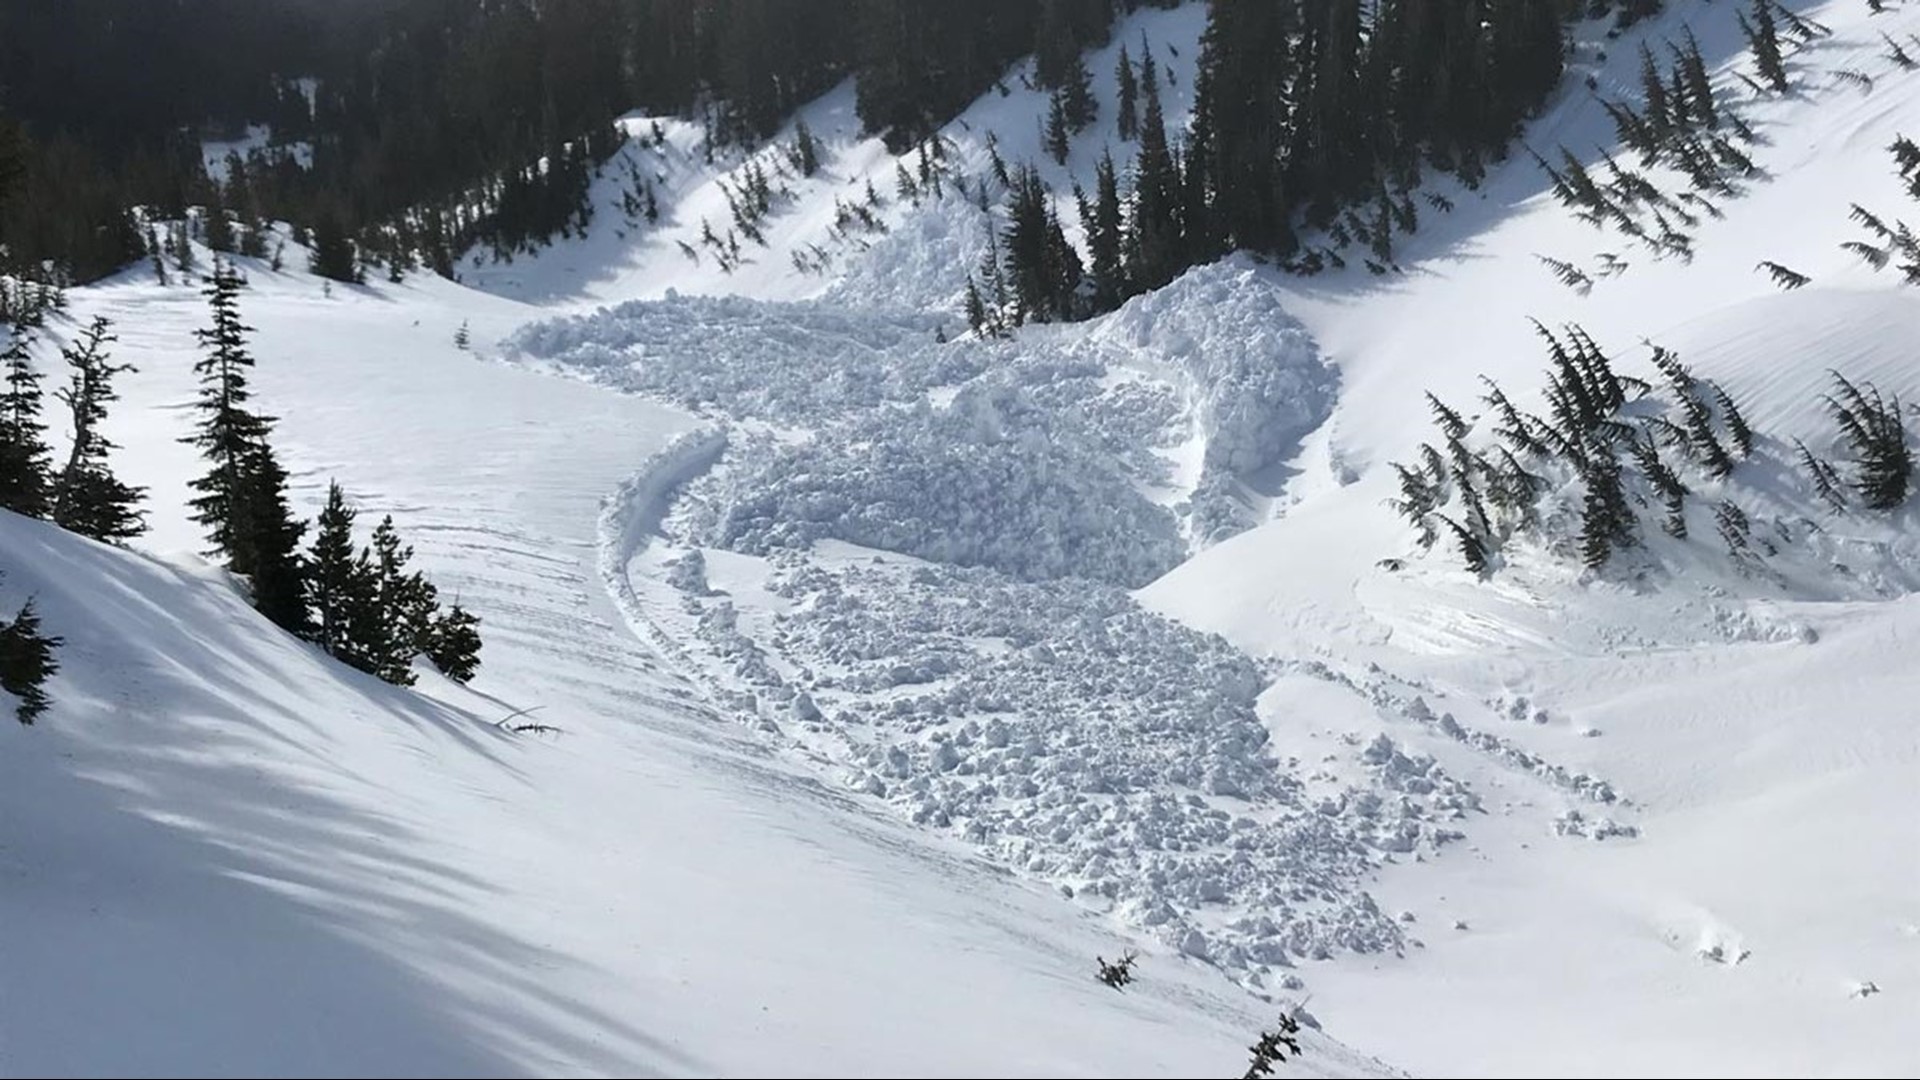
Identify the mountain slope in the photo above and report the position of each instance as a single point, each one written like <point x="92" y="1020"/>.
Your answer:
<point x="240" y="857"/>
<point x="868" y="800"/>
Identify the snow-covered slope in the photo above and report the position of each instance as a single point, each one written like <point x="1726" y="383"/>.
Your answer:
<point x="898" y="677"/>
<point x="919" y="248"/>
<point x="1759" y="729"/>
<point x="238" y="857"/>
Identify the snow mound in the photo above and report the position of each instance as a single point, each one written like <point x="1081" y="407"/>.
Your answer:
<point x="988" y="480"/>
<point x="1256" y="372"/>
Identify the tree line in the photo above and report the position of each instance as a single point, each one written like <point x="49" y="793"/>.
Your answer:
<point x="414" y="129"/>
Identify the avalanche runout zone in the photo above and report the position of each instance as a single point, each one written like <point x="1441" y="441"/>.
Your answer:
<point x="908" y="562"/>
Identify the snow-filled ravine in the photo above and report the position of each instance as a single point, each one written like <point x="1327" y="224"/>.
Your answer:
<point x="907" y="562"/>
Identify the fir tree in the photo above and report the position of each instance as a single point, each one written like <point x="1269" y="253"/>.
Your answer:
<point x="340" y="587"/>
<point x="1273" y="1047"/>
<point x="1606" y="521"/>
<point x="26" y="663"/>
<point x="976" y="308"/>
<point x="806" y="151"/>
<point x="1154" y="238"/>
<point x="453" y="644"/>
<point x="180" y="246"/>
<point x="228" y="432"/>
<point x="404" y="607"/>
<point x="242" y="499"/>
<point x="24" y="457"/>
<point x="1058" y="130"/>
<point x="333" y="255"/>
<point x="1105" y="237"/>
<point x="1763" y="37"/>
<point x="217" y="229"/>
<point x="1077" y="95"/>
<point x="279" y="574"/>
<point x="1127" y="105"/>
<point x="1737" y="429"/>
<point x="1872" y="426"/>
<point x="87" y="498"/>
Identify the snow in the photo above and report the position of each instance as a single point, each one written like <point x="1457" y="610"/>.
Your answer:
<point x="896" y="678"/>
<point x="211" y="806"/>
<point x="213" y="152"/>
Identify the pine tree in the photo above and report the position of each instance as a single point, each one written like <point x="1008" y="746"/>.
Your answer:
<point x="228" y="432"/>
<point x="404" y="603"/>
<point x="1154" y="225"/>
<point x="279" y="575"/>
<point x="1872" y="425"/>
<point x="1077" y="95"/>
<point x="333" y="255"/>
<point x="463" y="337"/>
<point x="1273" y="1047"/>
<point x="1606" y="521"/>
<point x="243" y="498"/>
<point x="217" y="228"/>
<point x="180" y="246"/>
<point x="340" y="587"/>
<point x="453" y="644"/>
<point x="1105" y="237"/>
<point x="1058" y="130"/>
<point x="976" y="308"/>
<point x="1127" y="107"/>
<point x="87" y="498"/>
<point x="806" y="149"/>
<point x="24" y="457"/>
<point x="1763" y="37"/>
<point x="26" y="663"/>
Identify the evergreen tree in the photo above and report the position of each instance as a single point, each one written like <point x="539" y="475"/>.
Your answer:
<point x="453" y="644"/>
<point x="1763" y="37"/>
<point x="1041" y="266"/>
<point x="1058" y="129"/>
<point x="1127" y="104"/>
<point x="24" y="457"/>
<point x="217" y="229"/>
<point x="1606" y="521"/>
<point x="242" y="499"/>
<point x="88" y="498"/>
<point x="228" y="432"/>
<point x="1076" y="94"/>
<point x="1105" y="237"/>
<point x="26" y="663"/>
<point x="340" y="587"/>
<point x="1154" y="238"/>
<point x="976" y="308"/>
<point x="279" y="574"/>
<point x="180" y="246"/>
<point x="404" y="607"/>
<point x="333" y="255"/>
<point x="806" y="149"/>
<point x="1873" y="427"/>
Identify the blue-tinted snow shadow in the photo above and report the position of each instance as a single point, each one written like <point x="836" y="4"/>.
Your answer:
<point x="172" y="909"/>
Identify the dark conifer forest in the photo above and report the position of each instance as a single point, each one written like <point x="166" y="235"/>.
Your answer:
<point x="421" y="124"/>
